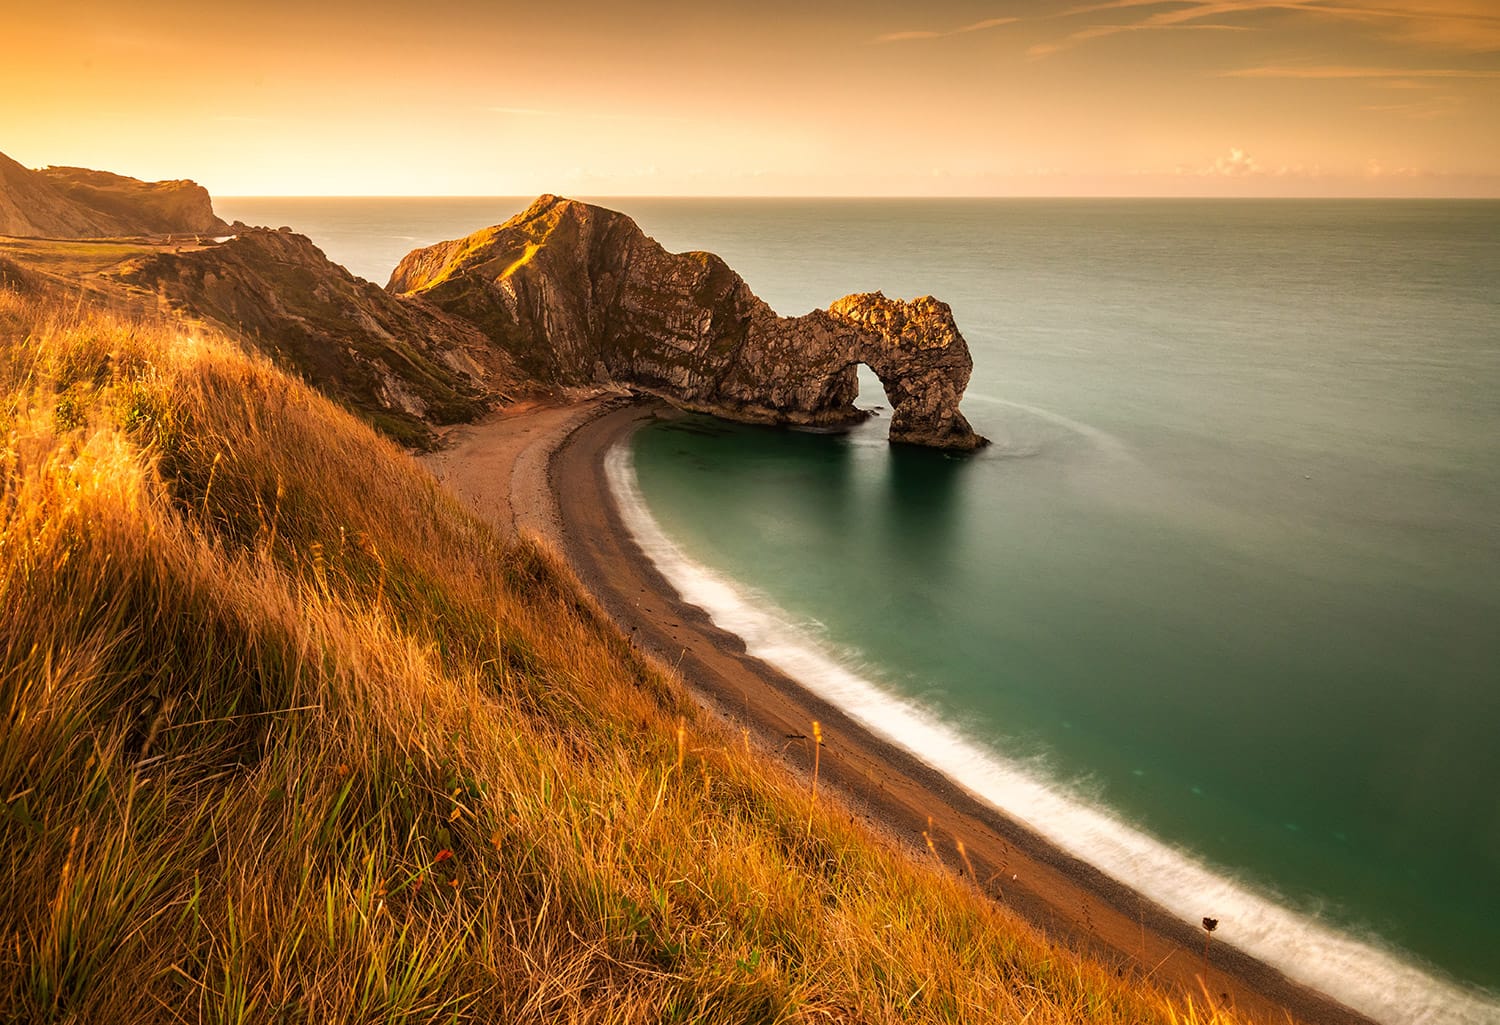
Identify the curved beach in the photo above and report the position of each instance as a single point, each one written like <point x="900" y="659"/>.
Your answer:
<point x="543" y="470"/>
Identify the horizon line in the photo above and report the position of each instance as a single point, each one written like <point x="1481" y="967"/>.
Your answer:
<point x="1493" y="197"/>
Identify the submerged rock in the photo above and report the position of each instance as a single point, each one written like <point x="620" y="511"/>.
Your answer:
<point x="579" y="295"/>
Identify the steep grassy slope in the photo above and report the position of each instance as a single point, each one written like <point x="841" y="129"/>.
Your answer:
<point x="402" y="364"/>
<point x="287" y="736"/>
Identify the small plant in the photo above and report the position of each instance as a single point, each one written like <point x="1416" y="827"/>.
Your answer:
<point x="69" y="414"/>
<point x="817" y="745"/>
<point x="964" y="854"/>
<point x="817" y="738"/>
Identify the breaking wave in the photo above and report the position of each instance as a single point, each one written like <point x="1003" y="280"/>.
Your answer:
<point x="1354" y="970"/>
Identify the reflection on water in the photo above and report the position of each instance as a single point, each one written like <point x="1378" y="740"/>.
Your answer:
<point x="921" y="507"/>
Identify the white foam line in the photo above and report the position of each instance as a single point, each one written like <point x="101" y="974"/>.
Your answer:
<point x="1360" y="974"/>
<point x="1103" y="439"/>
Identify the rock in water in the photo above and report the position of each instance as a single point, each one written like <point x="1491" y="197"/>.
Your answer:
<point x="922" y="361"/>
<point x="579" y="295"/>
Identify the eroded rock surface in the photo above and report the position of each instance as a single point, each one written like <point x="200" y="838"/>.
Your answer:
<point x="922" y="361"/>
<point x="579" y="295"/>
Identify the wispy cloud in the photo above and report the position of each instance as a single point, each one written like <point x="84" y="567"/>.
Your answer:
<point x="1375" y="169"/>
<point x="1421" y="84"/>
<point x="1101" y="31"/>
<point x="1467" y="26"/>
<point x="1404" y="75"/>
<point x="1239" y="164"/>
<point x="589" y="115"/>
<point x="1425" y="109"/>
<point x="1464" y="25"/>
<point x="978" y="26"/>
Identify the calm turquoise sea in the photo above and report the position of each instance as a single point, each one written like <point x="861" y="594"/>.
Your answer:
<point x="1219" y="609"/>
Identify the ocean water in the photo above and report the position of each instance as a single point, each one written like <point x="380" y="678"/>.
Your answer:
<point x="1219" y="610"/>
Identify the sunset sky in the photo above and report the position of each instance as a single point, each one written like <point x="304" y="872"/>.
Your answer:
<point x="828" y="97"/>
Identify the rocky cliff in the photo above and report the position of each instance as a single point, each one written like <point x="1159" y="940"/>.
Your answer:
<point x="72" y="202"/>
<point x="579" y="295"/>
<point x="563" y="295"/>
<point x="401" y="362"/>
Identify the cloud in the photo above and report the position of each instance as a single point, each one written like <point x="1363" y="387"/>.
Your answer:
<point x="978" y="26"/>
<point x="1424" y="109"/>
<point x="1420" y="80"/>
<point x="1238" y="164"/>
<point x="1356" y="71"/>
<point x="1464" y="25"/>
<point x="591" y="115"/>
<point x="1190" y="17"/>
<point x="1469" y="26"/>
<point x="1375" y="169"/>
<point x="1102" y="31"/>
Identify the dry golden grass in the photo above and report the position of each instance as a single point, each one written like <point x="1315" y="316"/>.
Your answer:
<point x="288" y="736"/>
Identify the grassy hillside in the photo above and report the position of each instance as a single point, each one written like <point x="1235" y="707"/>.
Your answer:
<point x="288" y="736"/>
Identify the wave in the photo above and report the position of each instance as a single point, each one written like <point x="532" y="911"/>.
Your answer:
<point x="1103" y="440"/>
<point x="1355" y="970"/>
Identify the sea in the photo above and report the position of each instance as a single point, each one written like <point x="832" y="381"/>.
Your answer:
<point x="1218" y="610"/>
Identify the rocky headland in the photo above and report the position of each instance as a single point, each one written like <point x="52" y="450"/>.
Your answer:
<point x="579" y="295"/>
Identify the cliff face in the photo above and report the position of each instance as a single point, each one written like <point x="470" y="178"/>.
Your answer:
<point x="580" y="295"/>
<point x="402" y="363"/>
<point x="72" y="202"/>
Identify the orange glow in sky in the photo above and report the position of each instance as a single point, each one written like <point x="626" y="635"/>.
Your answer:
<point x="1025" y="97"/>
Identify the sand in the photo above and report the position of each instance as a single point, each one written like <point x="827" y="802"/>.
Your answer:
<point x="541" y="469"/>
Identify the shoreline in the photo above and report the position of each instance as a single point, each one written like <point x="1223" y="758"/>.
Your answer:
<point x="528" y="461"/>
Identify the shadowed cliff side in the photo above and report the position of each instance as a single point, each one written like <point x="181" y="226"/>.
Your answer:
<point x="579" y="295"/>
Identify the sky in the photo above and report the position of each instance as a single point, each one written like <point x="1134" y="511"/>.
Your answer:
<point x="807" y="98"/>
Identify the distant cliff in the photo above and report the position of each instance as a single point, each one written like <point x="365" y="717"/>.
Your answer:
<point x="579" y="295"/>
<point x="72" y="202"/>
<point x="401" y="362"/>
